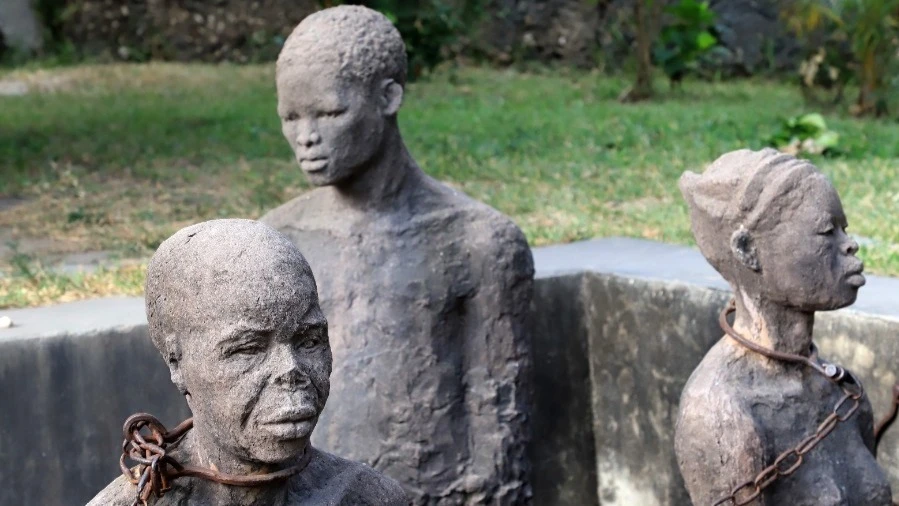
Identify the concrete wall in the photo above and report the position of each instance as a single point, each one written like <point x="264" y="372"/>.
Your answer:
<point x="64" y="397"/>
<point x="618" y="325"/>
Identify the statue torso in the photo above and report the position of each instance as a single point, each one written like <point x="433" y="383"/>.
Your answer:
<point x="395" y="291"/>
<point x="785" y="408"/>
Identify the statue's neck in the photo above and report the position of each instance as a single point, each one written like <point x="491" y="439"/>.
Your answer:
<point x="198" y="450"/>
<point x="387" y="181"/>
<point x="774" y="326"/>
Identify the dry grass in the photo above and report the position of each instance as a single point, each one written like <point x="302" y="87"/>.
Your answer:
<point x="38" y="287"/>
<point x="99" y="79"/>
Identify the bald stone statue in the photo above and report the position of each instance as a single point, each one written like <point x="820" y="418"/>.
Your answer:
<point x="425" y="289"/>
<point x="775" y="229"/>
<point x="232" y="307"/>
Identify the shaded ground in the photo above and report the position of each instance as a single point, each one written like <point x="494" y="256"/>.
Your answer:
<point x="113" y="159"/>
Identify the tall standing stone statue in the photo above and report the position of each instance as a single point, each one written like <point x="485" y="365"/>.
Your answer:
<point x="232" y="307"/>
<point x="426" y="290"/>
<point x="763" y="414"/>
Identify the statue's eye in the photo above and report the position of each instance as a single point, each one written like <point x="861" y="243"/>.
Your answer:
<point x="310" y="343"/>
<point x="333" y="113"/>
<point x="827" y="231"/>
<point x="245" y="349"/>
<point x="291" y="116"/>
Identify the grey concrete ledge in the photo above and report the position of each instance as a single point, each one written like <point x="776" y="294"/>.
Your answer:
<point x="74" y="318"/>
<point x="655" y="261"/>
<point x="624" y="257"/>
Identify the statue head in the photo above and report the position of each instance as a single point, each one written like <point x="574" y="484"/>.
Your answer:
<point x="775" y="229"/>
<point x="233" y="309"/>
<point x="340" y="79"/>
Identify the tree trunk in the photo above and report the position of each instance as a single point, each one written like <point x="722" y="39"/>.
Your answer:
<point x="870" y="101"/>
<point x="647" y="14"/>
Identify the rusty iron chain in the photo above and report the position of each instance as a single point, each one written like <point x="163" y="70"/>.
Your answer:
<point x="790" y="460"/>
<point x="156" y="469"/>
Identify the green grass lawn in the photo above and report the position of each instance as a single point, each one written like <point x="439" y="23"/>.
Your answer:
<point x="118" y="157"/>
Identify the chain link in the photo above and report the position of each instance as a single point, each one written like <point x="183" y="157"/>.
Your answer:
<point x="791" y="460"/>
<point x="156" y="469"/>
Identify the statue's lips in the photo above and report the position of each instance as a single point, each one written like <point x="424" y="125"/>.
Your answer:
<point x="290" y="430"/>
<point x="314" y="164"/>
<point x="298" y="414"/>
<point x="856" y="279"/>
<point x="291" y="424"/>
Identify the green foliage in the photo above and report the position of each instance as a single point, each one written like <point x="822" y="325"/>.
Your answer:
<point x="686" y="38"/>
<point x="867" y="31"/>
<point x="431" y="29"/>
<point x="807" y="133"/>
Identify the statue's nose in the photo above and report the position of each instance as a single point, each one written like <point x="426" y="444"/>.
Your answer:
<point x="293" y="379"/>
<point x="308" y="138"/>
<point x="288" y="368"/>
<point x="851" y="247"/>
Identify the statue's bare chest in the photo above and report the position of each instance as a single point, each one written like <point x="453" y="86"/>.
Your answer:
<point x="402" y="284"/>
<point x="840" y="470"/>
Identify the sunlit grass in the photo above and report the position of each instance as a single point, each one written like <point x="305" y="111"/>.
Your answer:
<point x="119" y="157"/>
<point x="40" y="286"/>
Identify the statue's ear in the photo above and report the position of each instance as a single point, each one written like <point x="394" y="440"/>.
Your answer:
<point x="391" y="97"/>
<point x="173" y="360"/>
<point x="743" y="248"/>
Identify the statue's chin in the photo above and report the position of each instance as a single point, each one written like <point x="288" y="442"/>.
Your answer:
<point x="321" y="178"/>
<point x="279" y="452"/>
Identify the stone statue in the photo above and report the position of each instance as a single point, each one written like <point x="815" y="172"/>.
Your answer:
<point x="233" y="309"/>
<point x="426" y="290"/>
<point x="774" y="227"/>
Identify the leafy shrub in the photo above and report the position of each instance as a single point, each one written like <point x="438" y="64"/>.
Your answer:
<point x="807" y="133"/>
<point x="865" y="31"/>
<point x="686" y="38"/>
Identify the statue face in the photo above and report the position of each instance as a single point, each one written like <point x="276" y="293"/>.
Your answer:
<point x="256" y="366"/>
<point x="333" y="124"/>
<point x="808" y="261"/>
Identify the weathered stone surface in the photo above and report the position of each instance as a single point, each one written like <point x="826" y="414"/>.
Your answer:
<point x="20" y="27"/>
<point x="572" y="32"/>
<point x="86" y="351"/>
<point x="233" y="310"/>
<point x="645" y="338"/>
<point x="426" y="290"/>
<point x="182" y="30"/>
<point x="774" y="228"/>
<point x="64" y="393"/>
<point x="564" y="465"/>
<point x="547" y="31"/>
<point x="755" y="36"/>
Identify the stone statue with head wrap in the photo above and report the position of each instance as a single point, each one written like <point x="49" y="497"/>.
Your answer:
<point x="233" y="310"/>
<point x="426" y="290"/>
<point x="775" y="229"/>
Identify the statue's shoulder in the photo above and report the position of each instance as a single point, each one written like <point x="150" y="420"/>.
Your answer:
<point x="720" y="389"/>
<point x="717" y="377"/>
<point x="118" y="493"/>
<point x="343" y="482"/>
<point x="482" y="225"/>
<point x="295" y="212"/>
